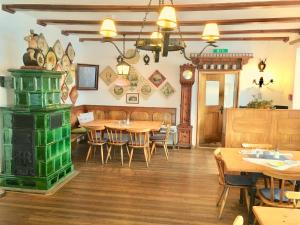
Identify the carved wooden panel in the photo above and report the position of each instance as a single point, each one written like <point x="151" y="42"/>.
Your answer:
<point x="281" y="128"/>
<point x="117" y="115"/>
<point x="164" y="117"/>
<point x="185" y="136"/>
<point x="140" y="116"/>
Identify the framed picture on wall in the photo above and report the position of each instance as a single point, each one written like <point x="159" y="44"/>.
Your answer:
<point x="87" y="77"/>
<point x="132" y="98"/>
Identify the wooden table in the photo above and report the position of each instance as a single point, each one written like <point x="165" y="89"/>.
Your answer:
<point x="234" y="162"/>
<point x="276" y="216"/>
<point x="151" y="125"/>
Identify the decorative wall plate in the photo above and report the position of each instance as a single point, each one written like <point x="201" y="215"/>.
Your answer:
<point x="70" y="52"/>
<point x="135" y="59"/>
<point x="118" y="91"/>
<point x="73" y="95"/>
<point x="42" y="44"/>
<point x="108" y="75"/>
<point x="58" y="49"/>
<point x="69" y="79"/>
<point x="157" y="78"/>
<point x="133" y="78"/>
<point x="145" y="88"/>
<point x="40" y="58"/>
<point x="64" y="92"/>
<point x="50" y="60"/>
<point x="167" y="90"/>
<point x="65" y="62"/>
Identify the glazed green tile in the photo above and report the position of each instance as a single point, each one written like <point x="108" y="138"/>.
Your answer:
<point x="8" y="166"/>
<point x="7" y="120"/>
<point x="7" y="152"/>
<point x="28" y="84"/>
<point x="46" y="84"/>
<point x="7" y="136"/>
<point x="58" y="163"/>
<point x="22" y="98"/>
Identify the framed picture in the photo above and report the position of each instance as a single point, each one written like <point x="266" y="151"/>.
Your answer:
<point x="87" y="77"/>
<point x="132" y="98"/>
<point x="157" y="78"/>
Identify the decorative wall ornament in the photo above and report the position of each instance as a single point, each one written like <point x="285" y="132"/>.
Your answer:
<point x="167" y="90"/>
<point x="70" y="52"/>
<point x="51" y="60"/>
<point x="33" y="56"/>
<point x="64" y="92"/>
<point x="145" y="88"/>
<point x="42" y="44"/>
<point x="157" y="78"/>
<point x="129" y="54"/>
<point x="132" y="98"/>
<point x="65" y="62"/>
<point x="73" y="95"/>
<point x="133" y="78"/>
<point x="58" y="49"/>
<point x="108" y="75"/>
<point x="118" y="91"/>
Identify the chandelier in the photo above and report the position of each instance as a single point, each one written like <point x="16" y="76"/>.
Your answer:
<point x="160" y="42"/>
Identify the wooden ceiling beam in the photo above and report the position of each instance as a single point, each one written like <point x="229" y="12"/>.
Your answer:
<point x="12" y="8"/>
<point x="284" y="39"/>
<point x="45" y="22"/>
<point x="224" y="32"/>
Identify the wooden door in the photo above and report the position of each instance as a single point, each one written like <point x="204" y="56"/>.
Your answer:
<point x="212" y="100"/>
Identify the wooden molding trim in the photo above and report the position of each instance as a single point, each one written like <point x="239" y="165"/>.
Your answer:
<point x="133" y="33"/>
<point x="12" y="8"/>
<point x="294" y="41"/>
<point x="45" y="22"/>
<point x="284" y="39"/>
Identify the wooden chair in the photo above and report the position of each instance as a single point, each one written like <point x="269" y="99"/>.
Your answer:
<point x="161" y="139"/>
<point x="95" y="139"/>
<point x="281" y="192"/>
<point x="139" y="139"/>
<point x="239" y="220"/>
<point x="116" y="137"/>
<point x="253" y="146"/>
<point x="229" y="181"/>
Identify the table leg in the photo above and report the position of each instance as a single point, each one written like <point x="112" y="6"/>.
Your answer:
<point x="252" y="202"/>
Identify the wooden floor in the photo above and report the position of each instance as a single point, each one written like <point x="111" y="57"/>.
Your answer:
<point x="182" y="190"/>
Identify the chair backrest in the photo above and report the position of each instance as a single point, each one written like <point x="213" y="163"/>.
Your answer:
<point x="252" y="145"/>
<point x="115" y="134"/>
<point x="85" y="117"/>
<point x="166" y="131"/>
<point x="138" y="137"/>
<point x="95" y="134"/>
<point x="239" y="220"/>
<point x="294" y="196"/>
<point x="283" y="182"/>
<point x="220" y="165"/>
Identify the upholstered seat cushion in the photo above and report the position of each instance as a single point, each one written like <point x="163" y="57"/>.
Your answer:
<point x="238" y="180"/>
<point x="158" y="137"/>
<point x="267" y="194"/>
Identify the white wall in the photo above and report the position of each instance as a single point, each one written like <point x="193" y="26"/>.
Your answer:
<point x="14" y="27"/>
<point x="296" y="96"/>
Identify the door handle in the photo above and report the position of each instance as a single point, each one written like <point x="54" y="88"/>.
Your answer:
<point x="221" y="109"/>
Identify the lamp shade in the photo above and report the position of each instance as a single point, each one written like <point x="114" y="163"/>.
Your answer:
<point x="123" y="68"/>
<point x="167" y="18"/>
<point x="108" y="28"/>
<point x="156" y="35"/>
<point x="211" y="32"/>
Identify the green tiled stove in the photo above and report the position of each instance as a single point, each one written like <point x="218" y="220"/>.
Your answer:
<point x="35" y="132"/>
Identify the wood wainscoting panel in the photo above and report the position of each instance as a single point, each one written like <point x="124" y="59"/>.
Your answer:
<point x="166" y="115"/>
<point x="280" y="128"/>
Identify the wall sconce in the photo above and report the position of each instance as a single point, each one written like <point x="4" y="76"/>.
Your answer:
<point x="261" y="82"/>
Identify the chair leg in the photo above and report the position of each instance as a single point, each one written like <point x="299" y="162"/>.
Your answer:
<point x="146" y="156"/>
<point x="95" y="148"/>
<point x="221" y="196"/>
<point x="88" y="154"/>
<point x="107" y="151"/>
<point x="130" y="157"/>
<point x="247" y="200"/>
<point x="108" y="154"/>
<point x="102" y="154"/>
<point x="121" y="155"/>
<point x="152" y="149"/>
<point x="166" y="151"/>
<point x="223" y="201"/>
<point x="127" y="150"/>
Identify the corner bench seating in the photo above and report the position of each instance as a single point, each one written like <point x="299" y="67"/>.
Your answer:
<point x="166" y="115"/>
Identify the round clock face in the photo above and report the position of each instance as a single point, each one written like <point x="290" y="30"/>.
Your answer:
<point x="187" y="74"/>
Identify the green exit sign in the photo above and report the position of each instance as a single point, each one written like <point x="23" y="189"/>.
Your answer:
<point x="220" y="50"/>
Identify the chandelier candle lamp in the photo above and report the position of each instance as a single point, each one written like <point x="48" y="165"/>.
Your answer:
<point x="261" y="82"/>
<point x="160" y="41"/>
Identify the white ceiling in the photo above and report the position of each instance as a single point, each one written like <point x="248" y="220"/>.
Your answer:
<point x="202" y="15"/>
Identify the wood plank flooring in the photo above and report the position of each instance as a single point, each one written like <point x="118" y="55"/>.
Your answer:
<point x="181" y="191"/>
